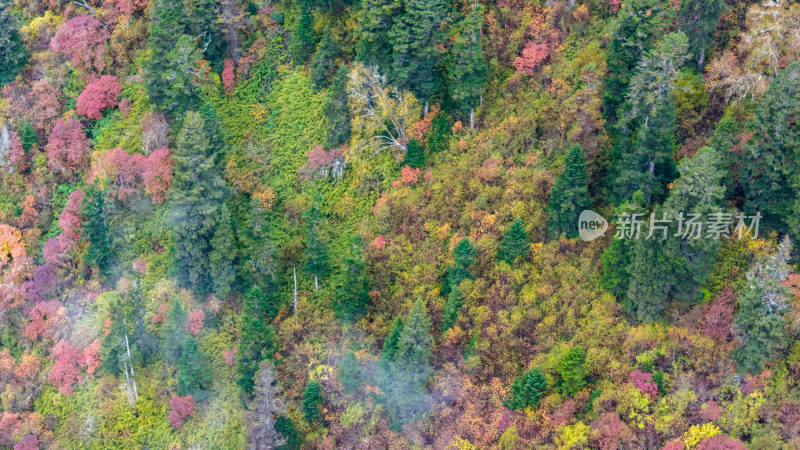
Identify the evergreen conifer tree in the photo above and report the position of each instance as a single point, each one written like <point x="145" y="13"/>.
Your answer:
<point x="570" y="195"/>
<point x="527" y="390"/>
<point x="515" y="243"/>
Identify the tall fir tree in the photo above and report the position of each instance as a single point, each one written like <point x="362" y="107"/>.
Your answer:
<point x="95" y="229"/>
<point x="573" y="371"/>
<point x="352" y="294"/>
<point x="374" y="47"/>
<point x="323" y="62"/>
<point x="13" y="54"/>
<point x="642" y="156"/>
<point x="515" y="243"/>
<point x="222" y="255"/>
<point x="203" y="23"/>
<point x="189" y="369"/>
<point x="527" y="390"/>
<point x="570" y="195"/>
<point x="350" y="374"/>
<point x="415" y="37"/>
<point x="467" y="67"/>
<point x="647" y="291"/>
<point x="760" y="320"/>
<point x="167" y="24"/>
<point x="312" y="399"/>
<point x="463" y="256"/>
<point x="415" y="154"/>
<point x="337" y="110"/>
<point x="315" y="252"/>
<point x="303" y="38"/>
<point x="619" y="254"/>
<point x="698" y="19"/>
<point x="640" y="22"/>
<point x="408" y="398"/>
<point x="196" y="198"/>
<point x="257" y="344"/>
<point x="699" y="190"/>
<point x="768" y="173"/>
<point x="173" y="331"/>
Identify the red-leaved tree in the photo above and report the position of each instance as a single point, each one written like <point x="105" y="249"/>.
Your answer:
<point x="716" y="321"/>
<point x="91" y="357"/>
<point x="179" y="409"/>
<point x="100" y="93"/>
<point x="82" y="40"/>
<point x="157" y="174"/>
<point x="532" y="55"/>
<point x="70" y="219"/>
<point x="44" y="320"/>
<point x="67" y="148"/>
<point x="228" y="75"/>
<point x="644" y="382"/>
<point x="195" y="323"/>
<point x="66" y="366"/>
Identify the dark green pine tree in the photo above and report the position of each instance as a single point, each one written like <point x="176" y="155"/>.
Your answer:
<point x="452" y="308"/>
<point x="315" y="252"/>
<point x="527" y="390"/>
<point x="350" y="374"/>
<point x="352" y="294"/>
<point x="222" y="255"/>
<point x="374" y="47"/>
<point x="698" y="19"/>
<point x="408" y="398"/>
<point x="769" y="175"/>
<point x="189" y="368"/>
<point x="312" y="399"/>
<point x="467" y="68"/>
<point x="96" y="230"/>
<point x="760" y="319"/>
<point x="439" y="133"/>
<point x="569" y="196"/>
<point x="257" y="341"/>
<point x="619" y="254"/>
<point x="13" y="55"/>
<point x="415" y="154"/>
<point x="204" y="24"/>
<point x="415" y="37"/>
<point x="385" y="368"/>
<point x="173" y="332"/>
<point x="196" y="198"/>
<point x="647" y="291"/>
<point x="303" y="40"/>
<point x="515" y="243"/>
<point x="572" y="370"/>
<point x="642" y="158"/>
<point x="640" y="23"/>
<point x="463" y="255"/>
<point x="699" y="190"/>
<point x="337" y="111"/>
<point x="323" y="61"/>
<point x="167" y="24"/>
<point x="28" y="137"/>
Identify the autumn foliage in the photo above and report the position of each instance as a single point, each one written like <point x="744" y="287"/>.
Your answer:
<point x="100" y="93"/>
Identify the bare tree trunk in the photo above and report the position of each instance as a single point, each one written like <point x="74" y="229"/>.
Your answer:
<point x="128" y="384"/>
<point x="316" y="282"/>
<point x="472" y="118"/>
<point x="130" y="363"/>
<point x="294" y="272"/>
<point x="702" y="58"/>
<point x="426" y="108"/>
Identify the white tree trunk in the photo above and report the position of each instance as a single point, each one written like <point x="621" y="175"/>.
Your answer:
<point x="426" y="108"/>
<point x="130" y="363"/>
<point x="472" y="118"/>
<point x="316" y="282"/>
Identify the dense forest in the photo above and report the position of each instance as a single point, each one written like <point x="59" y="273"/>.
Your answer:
<point x="353" y="224"/>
